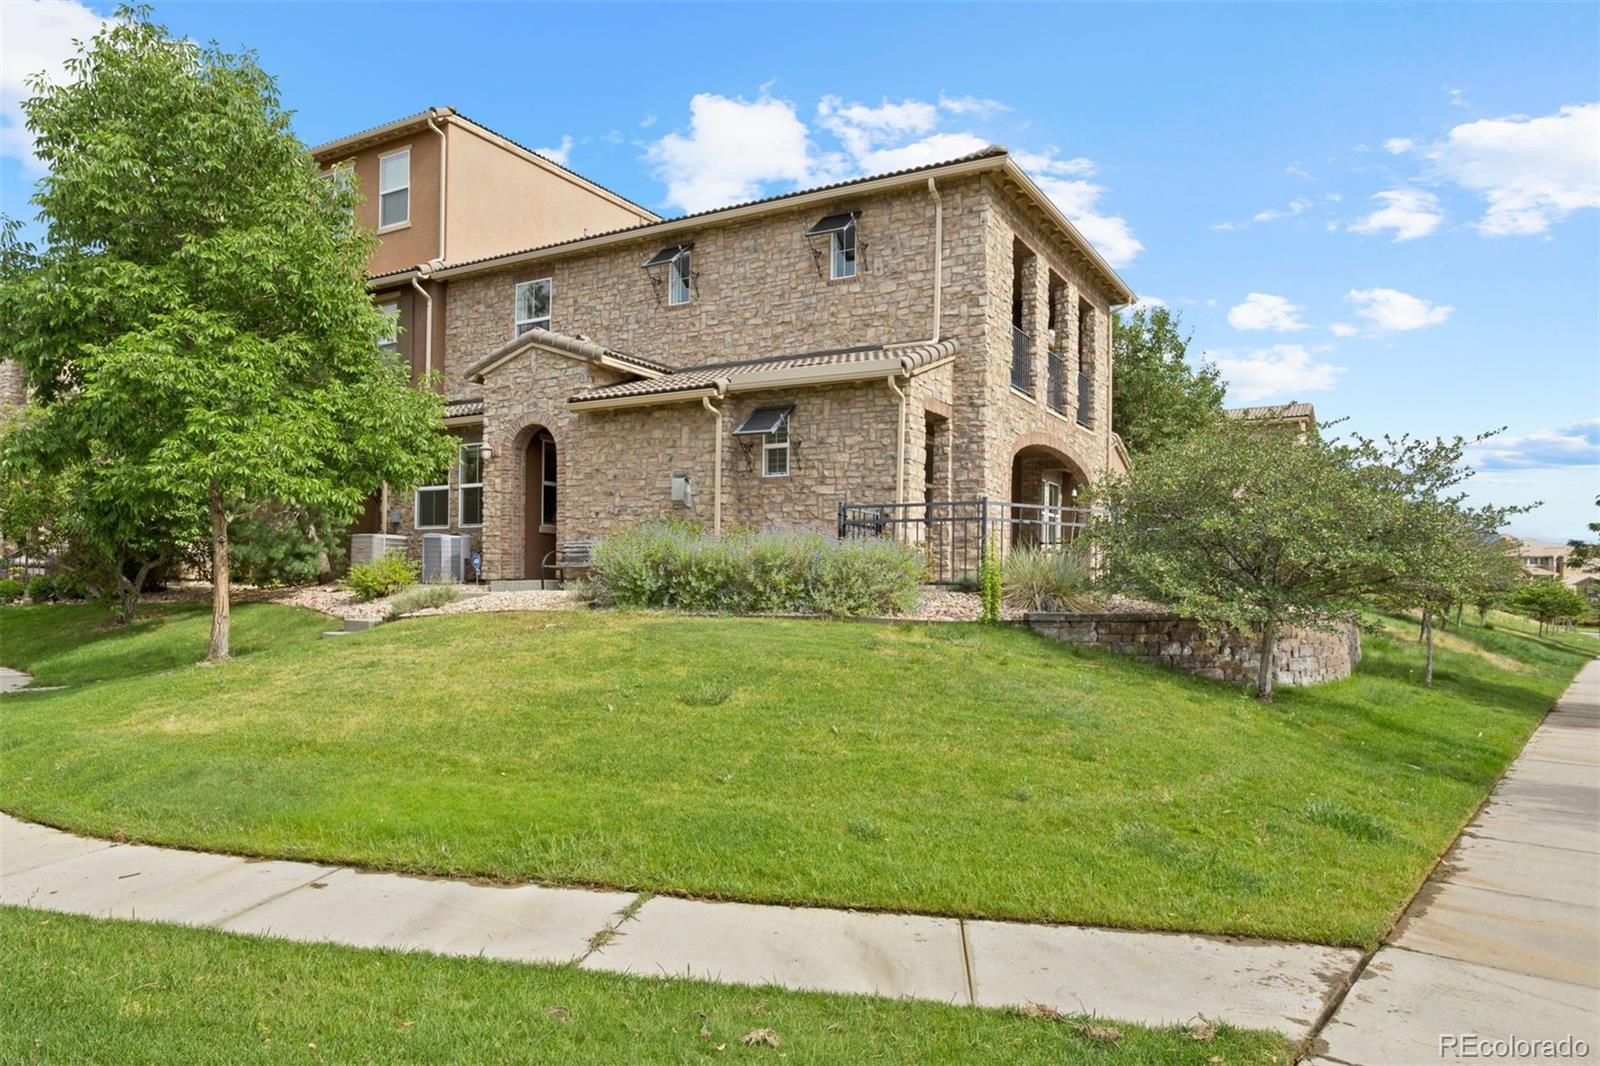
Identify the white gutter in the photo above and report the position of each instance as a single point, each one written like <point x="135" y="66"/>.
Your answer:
<point x="444" y="173"/>
<point x="427" y="357"/>
<point x="716" y="468"/>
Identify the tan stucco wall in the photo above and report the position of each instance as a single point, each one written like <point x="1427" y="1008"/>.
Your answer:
<point x="418" y="242"/>
<point x="502" y="201"/>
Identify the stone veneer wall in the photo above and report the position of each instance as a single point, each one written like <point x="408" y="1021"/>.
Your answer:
<point x="1304" y="656"/>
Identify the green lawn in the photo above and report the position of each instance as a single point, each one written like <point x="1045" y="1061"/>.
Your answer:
<point x="950" y="769"/>
<point x="80" y="990"/>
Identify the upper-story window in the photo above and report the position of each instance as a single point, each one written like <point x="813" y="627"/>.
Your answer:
<point x="533" y="305"/>
<point x="675" y="262"/>
<point x="394" y="189"/>
<point x="838" y="232"/>
<point x="389" y="332"/>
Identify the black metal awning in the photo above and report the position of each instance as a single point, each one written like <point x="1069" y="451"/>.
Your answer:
<point x="763" y="420"/>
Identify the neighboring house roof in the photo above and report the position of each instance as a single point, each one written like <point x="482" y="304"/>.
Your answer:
<point x="1277" y="412"/>
<point x="411" y="123"/>
<point x="994" y="158"/>
<point x="578" y="346"/>
<point x="1539" y="549"/>
<point x="463" y="408"/>
<point x="833" y="366"/>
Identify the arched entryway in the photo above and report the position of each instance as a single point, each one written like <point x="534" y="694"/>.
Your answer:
<point x="1047" y="490"/>
<point x="540" y="500"/>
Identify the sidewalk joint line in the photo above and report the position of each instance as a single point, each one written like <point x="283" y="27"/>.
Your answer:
<point x="327" y="872"/>
<point x="966" y="962"/>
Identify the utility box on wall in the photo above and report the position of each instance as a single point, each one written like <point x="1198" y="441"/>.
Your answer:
<point x="682" y="490"/>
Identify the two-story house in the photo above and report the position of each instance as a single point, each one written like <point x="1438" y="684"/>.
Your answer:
<point x="940" y="333"/>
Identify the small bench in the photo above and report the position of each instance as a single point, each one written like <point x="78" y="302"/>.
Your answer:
<point x="572" y="557"/>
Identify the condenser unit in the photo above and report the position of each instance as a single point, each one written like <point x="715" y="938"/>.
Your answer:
<point x="370" y="547"/>
<point x="444" y="556"/>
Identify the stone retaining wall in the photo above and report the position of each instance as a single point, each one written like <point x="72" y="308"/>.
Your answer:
<point x="1304" y="656"/>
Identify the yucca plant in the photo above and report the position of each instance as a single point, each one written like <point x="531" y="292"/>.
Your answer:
<point x="1048" y="579"/>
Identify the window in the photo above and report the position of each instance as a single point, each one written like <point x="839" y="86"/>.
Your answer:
<point x="471" y="485"/>
<point x="394" y="189"/>
<point x="844" y="253"/>
<point x="533" y="305"/>
<point x="547" y="500"/>
<point x="678" y="281"/>
<point x="775" y="452"/>
<point x="389" y="333"/>
<point x="839" y="231"/>
<point x="433" y="503"/>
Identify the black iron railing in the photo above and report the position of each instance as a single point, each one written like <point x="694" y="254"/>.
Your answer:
<point x="1085" y="399"/>
<point x="1056" y="383"/>
<point x="1021" y="360"/>
<point x="951" y="534"/>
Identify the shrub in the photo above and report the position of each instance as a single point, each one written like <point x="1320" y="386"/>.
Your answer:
<point x="10" y="590"/>
<point x="382" y="577"/>
<point x="990" y="583"/>
<point x="282" y="545"/>
<point x="1047" y="579"/>
<point x="422" y="597"/>
<point x="677" y="566"/>
<point x="41" y="588"/>
<point x="70" y="587"/>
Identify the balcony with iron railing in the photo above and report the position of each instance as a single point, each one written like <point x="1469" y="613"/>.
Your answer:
<point x="1021" y="360"/>
<point x="1085" y="399"/>
<point x="1056" y="383"/>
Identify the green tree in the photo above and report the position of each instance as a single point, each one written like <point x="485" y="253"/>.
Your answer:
<point x="1241" y="525"/>
<point x="1547" y="600"/>
<point x="196" y="329"/>
<point x="1156" y="395"/>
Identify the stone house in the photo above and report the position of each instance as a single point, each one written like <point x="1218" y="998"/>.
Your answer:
<point x="938" y="333"/>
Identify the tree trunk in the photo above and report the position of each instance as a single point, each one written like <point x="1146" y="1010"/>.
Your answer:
<point x="128" y="591"/>
<point x="1460" y="607"/>
<point x="219" y="581"/>
<point x="1427" y="625"/>
<point x="1267" y="670"/>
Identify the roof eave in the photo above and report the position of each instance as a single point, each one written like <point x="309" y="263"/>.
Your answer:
<point x="1123" y="293"/>
<point x="377" y="134"/>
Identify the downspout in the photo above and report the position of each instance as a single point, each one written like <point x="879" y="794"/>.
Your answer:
<point x="427" y="347"/>
<point x="444" y="155"/>
<point x="716" y="466"/>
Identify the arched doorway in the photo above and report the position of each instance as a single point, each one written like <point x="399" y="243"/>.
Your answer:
<point x="540" y="477"/>
<point x="1047" y="490"/>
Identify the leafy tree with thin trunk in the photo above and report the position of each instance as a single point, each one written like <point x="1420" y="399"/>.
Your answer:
<point x="1547" y="601"/>
<point x="1245" y="525"/>
<point x="1157" y="396"/>
<point x="196" y="329"/>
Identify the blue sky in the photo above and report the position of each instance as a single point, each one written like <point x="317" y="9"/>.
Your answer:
<point x="1388" y="211"/>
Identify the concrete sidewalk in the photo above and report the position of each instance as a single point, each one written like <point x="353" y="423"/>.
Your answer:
<point x="1154" y="978"/>
<point x="1503" y="942"/>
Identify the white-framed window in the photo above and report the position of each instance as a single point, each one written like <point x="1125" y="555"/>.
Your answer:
<point x="775" y="451"/>
<point x="533" y="305"/>
<point x="394" y="189"/>
<point x="842" y="243"/>
<point x="433" y="504"/>
<point x="1051" y="532"/>
<point x="470" y="485"/>
<point x="680" y="288"/>
<point x="389" y="332"/>
<point x="547" y="495"/>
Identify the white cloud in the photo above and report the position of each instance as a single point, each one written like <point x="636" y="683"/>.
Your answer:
<point x="1343" y="329"/>
<point x="648" y="121"/>
<point x="1533" y="172"/>
<point x="1399" y="145"/>
<point x="733" y="148"/>
<point x="1393" y="311"/>
<point x="1263" y="310"/>
<point x="1410" y="213"/>
<point x="1282" y="372"/>
<point x="37" y="36"/>
<point x="1298" y="206"/>
<point x="1298" y="171"/>
<point x="1574" y="445"/>
<point x="1147" y="303"/>
<point x="558" y="155"/>
<point x="978" y="107"/>
<point x="1458" y="96"/>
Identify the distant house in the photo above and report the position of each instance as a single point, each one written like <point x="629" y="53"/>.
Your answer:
<point x="1300" y="417"/>
<point x="1542" y="559"/>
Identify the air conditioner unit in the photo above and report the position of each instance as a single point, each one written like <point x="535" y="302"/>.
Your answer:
<point x="370" y="547"/>
<point x="444" y="556"/>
